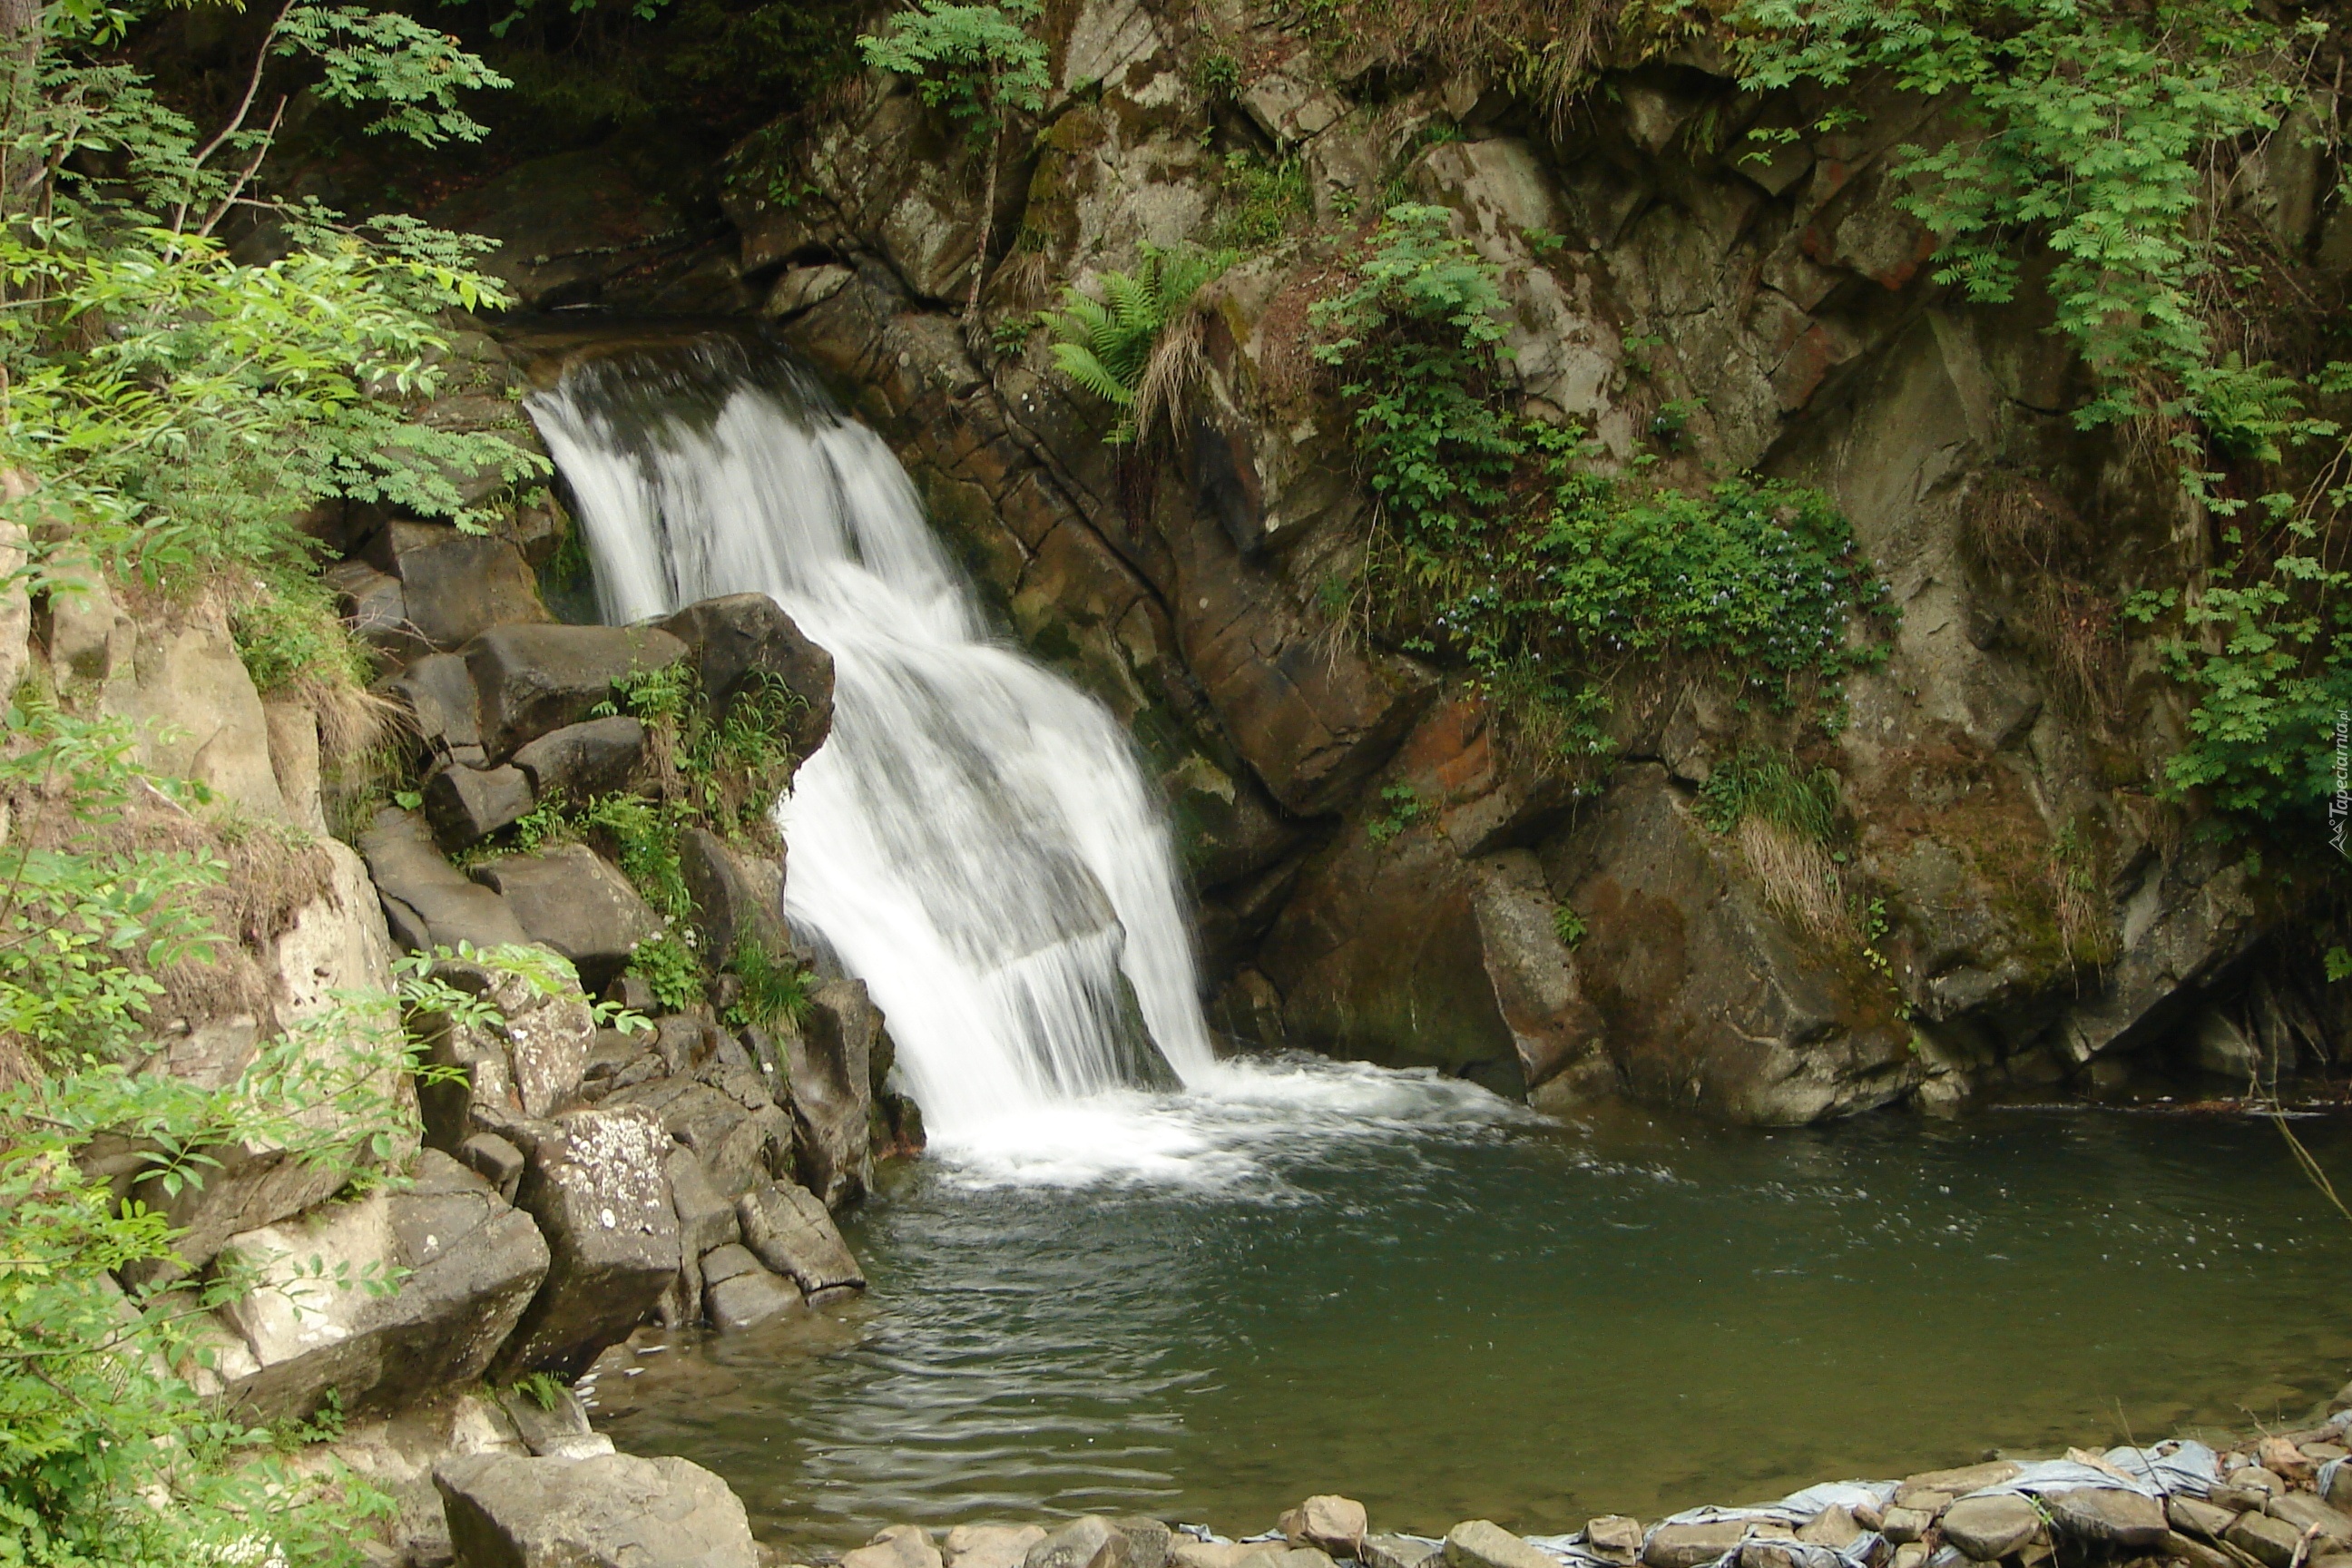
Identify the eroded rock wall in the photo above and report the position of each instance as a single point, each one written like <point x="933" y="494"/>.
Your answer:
<point x="1384" y="868"/>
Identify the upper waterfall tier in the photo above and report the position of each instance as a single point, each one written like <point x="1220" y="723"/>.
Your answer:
<point x="977" y="841"/>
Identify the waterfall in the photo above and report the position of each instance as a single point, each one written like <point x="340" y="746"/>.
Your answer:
<point x="977" y="840"/>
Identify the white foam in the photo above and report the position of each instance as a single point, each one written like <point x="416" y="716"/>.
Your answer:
<point x="977" y="839"/>
<point x="1229" y="1132"/>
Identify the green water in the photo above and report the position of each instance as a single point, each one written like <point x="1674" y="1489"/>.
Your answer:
<point x="1330" y="1280"/>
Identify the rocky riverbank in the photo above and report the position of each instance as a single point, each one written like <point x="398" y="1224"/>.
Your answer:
<point x="529" y="1484"/>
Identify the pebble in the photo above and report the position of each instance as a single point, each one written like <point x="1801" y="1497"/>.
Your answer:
<point x="1910" y="1555"/>
<point x="1337" y="1524"/>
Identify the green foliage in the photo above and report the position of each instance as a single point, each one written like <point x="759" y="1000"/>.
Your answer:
<point x="1569" y="926"/>
<point x="725" y="763"/>
<point x="2270" y="658"/>
<point x="1265" y="201"/>
<point x="666" y="964"/>
<point x="774" y="987"/>
<point x="82" y="924"/>
<point x="1503" y="551"/>
<point x="177" y="407"/>
<point x="2339" y="964"/>
<point x="2103" y="132"/>
<point x="1107" y="346"/>
<point x="543" y="1389"/>
<point x="1764" y="784"/>
<point x="2088" y="126"/>
<point x="1217" y="77"/>
<point x="106" y="1455"/>
<point x="974" y="61"/>
<point x="1401" y="806"/>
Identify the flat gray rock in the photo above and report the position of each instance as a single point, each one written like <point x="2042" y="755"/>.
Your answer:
<point x="615" y="1510"/>
<point x="1986" y="1528"/>
<point x="571" y="899"/>
<point x="1483" y="1544"/>
<point x="426" y="900"/>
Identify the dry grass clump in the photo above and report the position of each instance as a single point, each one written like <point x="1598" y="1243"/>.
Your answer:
<point x="267" y="873"/>
<point x="2025" y="534"/>
<point x="1798" y="878"/>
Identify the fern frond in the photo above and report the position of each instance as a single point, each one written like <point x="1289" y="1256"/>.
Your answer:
<point x="1089" y="373"/>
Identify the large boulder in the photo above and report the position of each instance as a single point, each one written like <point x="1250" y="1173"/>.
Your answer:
<point x="595" y="1184"/>
<point x="533" y="679"/>
<point x="738" y="1292"/>
<point x="737" y="1135"/>
<point x="615" y="1510"/>
<point x="465" y="1263"/>
<point x="830" y="1058"/>
<point x="570" y="898"/>
<point x="524" y="1065"/>
<point x="467" y="805"/>
<point x="739" y="639"/>
<point x="1709" y="998"/>
<point x="194" y="708"/>
<point x="437" y="691"/>
<point x="789" y="1230"/>
<point x="427" y="902"/>
<point x="455" y="585"/>
<point x="736" y="896"/>
<point x="582" y="760"/>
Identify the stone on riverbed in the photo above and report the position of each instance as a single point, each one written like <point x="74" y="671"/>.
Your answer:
<point x="2271" y="1542"/>
<point x="2195" y="1516"/>
<point x="2108" y="1516"/>
<point x="1691" y="1546"/>
<point x="1404" y="1552"/>
<point x="1835" y="1527"/>
<point x="1986" y="1528"/>
<point x="738" y="1294"/>
<point x="1094" y="1542"/>
<point x="1337" y="1524"/>
<point x="898" y="1546"/>
<point x="1959" y="1482"/>
<point x="1614" y="1537"/>
<point x="792" y="1233"/>
<point x="615" y="1510"/>
<point x="2180" y="1548"/>
<point x="990" y="1545"/>
<point x="1483" y="1544"/>
<point x="2315" y="1517"/>
<point x="1903" y="1525"/>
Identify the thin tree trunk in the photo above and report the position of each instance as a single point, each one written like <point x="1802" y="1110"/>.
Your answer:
<point x="21" y="24"/>
<point x="987" y="219"/>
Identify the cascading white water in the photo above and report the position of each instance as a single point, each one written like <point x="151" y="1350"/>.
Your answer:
<point x="976" y="840"/>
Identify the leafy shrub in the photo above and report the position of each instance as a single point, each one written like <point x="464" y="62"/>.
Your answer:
<point x="1760" y="784"/>
<point x="1138" y="348"/>
<point x="2110" y="136"/>
<point x="1569" y="926"/>
<point x="1401" y="808"/>
<point x="671" y="969"/>
<point x="1264" y="200"/>
<point x="979" y="63"/>
<point x="106" y="1455"/>
<point x="1500" y="549"/>
<point x="774" y="987"/>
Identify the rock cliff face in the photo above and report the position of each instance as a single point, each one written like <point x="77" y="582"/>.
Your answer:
<point x="2022" y="907"/>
